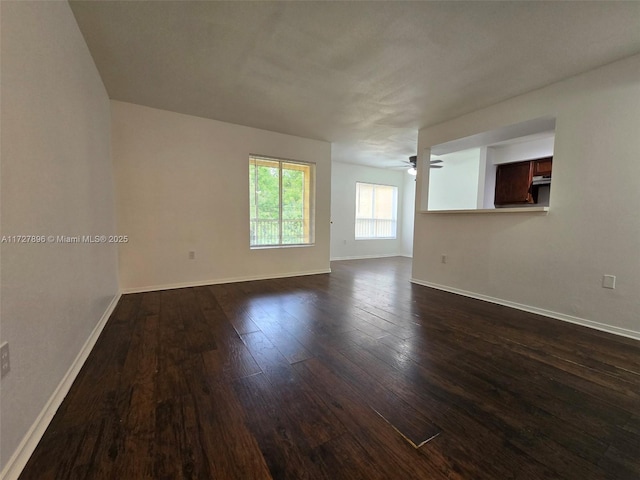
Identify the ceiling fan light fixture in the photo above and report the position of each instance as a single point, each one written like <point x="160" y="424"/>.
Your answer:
<point x="412" y="171"/>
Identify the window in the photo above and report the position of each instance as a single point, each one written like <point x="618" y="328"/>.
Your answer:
<point x="464" y="171"/>
<point x="376" y="210"/>
<point x="281" y="202"/>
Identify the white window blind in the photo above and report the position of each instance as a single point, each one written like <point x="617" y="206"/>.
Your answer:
<point x="376" y="211"/>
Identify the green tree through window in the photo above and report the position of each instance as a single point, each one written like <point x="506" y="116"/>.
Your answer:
<point x="281" y="202"/>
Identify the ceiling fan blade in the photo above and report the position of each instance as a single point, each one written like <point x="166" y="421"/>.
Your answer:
<point x="436" y="166"/>
<point x="435" y="161"/>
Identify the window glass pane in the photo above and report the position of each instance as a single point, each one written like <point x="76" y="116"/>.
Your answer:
<point x="384" y="202"/>
<point x="281" y="202"/>
<point x="364" y="205"/>
<point x="293" y="204"/>
<point x="376" y="207"/>
<point x="252" y="189"/>
<point x="265" y="224"/>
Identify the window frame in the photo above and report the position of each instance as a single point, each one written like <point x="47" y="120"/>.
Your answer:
<point x="309" y="195"/>
<point x="394" y="218"/>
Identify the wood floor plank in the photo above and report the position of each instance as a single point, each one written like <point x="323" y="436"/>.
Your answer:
<point x="408" y="421"/>
<point x="394" y="456"/>
<point x="322" y="377"/>
<point x="234" y="305"/>
<point x="284" y="449"/>
<point x="528" y="424"/>
<point x="230" y="447"/>
<point x="231" y="359"/>
<point x="273" y="326"/>
<point x="344" y="457"/>
<point x="317" y="424"/>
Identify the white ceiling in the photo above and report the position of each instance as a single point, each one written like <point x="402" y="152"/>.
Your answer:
<point x="363" y="75"/>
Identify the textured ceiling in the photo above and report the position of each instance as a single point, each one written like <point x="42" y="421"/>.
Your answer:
<point x="363" y="75"/>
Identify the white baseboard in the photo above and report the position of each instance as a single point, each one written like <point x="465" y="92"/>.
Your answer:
<point x="199" y="283"/>
<point x="539" y="311"/>
<point x="364" y="257"/>
<point x="19" y="459"/>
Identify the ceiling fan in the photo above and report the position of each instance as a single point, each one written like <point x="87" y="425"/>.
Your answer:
<point x="413" y="161"/>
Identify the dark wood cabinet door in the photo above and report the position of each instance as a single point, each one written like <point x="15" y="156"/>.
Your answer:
<point x="513" y="183"/>
<point x="542" y="166"/>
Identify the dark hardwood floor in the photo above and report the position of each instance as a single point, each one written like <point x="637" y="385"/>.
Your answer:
<point x="341" y="376"/>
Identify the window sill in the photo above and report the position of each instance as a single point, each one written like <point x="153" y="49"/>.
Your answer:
<point x="493" y="210"/>
<point x="268" y="247"/>
<point x="376" y="238"/>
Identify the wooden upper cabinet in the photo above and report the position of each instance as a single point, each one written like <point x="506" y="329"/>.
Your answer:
<point x="513" y="183"/>
<point x="542" y="166"/>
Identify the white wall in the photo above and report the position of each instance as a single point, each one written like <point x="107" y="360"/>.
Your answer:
<point x="408" y="214"/>
<point x="182" y="184"/>
<point x="455" y="185"/>
<point x="486" y="180"/>
<point x="56" y="180"/>
<point x="554" y="262"/>
<point x="343" y="211"/>
<point x="538" y="147"/>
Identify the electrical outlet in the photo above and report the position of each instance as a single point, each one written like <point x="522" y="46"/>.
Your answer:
<point x="192" y="255"/>
<point x="443" y="258"/>
<point x="5" y="366"/>
<point x="609" y="281"/>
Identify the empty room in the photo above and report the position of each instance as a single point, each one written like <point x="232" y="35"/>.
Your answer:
<point x="319" y="240"/>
